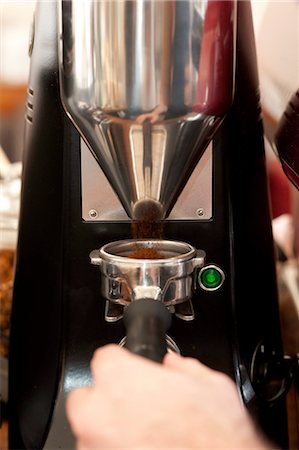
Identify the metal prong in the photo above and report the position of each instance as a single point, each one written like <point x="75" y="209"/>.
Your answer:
<point x="185" y="311"/>
<point x="113" y="312"/>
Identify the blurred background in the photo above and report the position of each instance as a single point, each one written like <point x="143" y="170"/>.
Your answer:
<point x="15" y="22"/>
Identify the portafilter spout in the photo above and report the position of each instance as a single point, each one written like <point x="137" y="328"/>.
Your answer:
<point x="147" y="83"/>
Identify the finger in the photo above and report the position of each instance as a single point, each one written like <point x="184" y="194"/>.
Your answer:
<point x="93" y="444"/>
<point x="75" y="398"/>
<point x="207" y="377"/>
<point x="187" y="365"/>
<point x="110" y="355"/>
<point x="112" y="361"/>
<point x="77" y="404"/>
<point x="81" y="445"/>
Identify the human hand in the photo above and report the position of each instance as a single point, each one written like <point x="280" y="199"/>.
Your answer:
<point x="135" y="403"/>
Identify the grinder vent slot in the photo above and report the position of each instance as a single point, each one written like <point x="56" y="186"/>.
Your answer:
<point x="29" y="105"/>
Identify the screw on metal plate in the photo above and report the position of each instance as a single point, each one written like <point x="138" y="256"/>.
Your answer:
<point x="93" y="214"/>
<point x="200" y="212"/>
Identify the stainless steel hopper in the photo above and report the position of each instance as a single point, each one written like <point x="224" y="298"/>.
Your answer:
<point x="147" y="83"/>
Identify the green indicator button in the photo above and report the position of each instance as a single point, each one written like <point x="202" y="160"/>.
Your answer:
<point x="211" y="277"/>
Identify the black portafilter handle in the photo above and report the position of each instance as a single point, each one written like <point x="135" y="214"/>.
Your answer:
<point x="146" y="321"/>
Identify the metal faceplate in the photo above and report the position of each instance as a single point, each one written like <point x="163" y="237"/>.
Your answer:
<point x="100" y="203"/>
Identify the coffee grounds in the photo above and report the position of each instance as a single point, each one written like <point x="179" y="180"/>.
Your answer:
<point x="147" y="224"/>
<point x="147" y="228"/>
<point x="146" y="253"/>
<point x="144" y="229"/>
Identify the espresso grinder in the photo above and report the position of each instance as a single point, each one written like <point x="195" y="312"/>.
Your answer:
<point x="144" y="217"/>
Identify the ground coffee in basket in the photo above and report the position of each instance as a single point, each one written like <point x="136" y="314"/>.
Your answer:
<point x="146" y="253"/>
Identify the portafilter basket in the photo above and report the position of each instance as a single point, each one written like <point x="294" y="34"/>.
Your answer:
<point x="147" y="268"/>
<point x="147" y="276"/>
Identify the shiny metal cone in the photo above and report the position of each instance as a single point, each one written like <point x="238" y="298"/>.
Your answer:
<point x="147" y="83"/>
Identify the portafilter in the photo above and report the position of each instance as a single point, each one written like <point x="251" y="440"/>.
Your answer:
<point x="147" y="277"/>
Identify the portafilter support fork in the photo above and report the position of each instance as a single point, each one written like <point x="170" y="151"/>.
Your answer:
<point x="147" y="84"/>
<point x="147" y="287"/>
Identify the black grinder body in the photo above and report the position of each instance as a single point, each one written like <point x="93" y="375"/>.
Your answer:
<point x="58" y="317"/>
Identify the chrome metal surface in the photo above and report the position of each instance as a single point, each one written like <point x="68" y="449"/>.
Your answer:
<point x="185" y="311"/>
<point x="168" y="278"/>
<point x="113" y="312"/>
<point x="136" y="79"/>
<point x="98" y="195"/>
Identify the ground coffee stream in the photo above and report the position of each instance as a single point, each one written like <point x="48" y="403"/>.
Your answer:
<point x="147" y="228"/>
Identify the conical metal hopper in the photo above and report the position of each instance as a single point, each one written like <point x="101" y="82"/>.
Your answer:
<point x="147" y="83"/>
